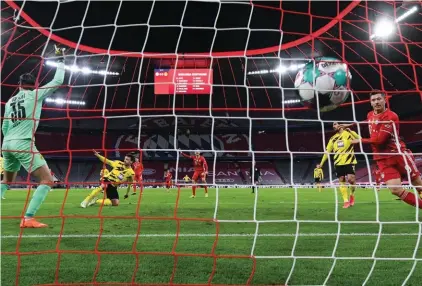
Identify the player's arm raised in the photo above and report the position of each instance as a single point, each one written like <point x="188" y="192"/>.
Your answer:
<point x="186" y="155"/>
<point x="328" y="150"/>
<point x="58" y="79"/>
<point x="103" y="159"/>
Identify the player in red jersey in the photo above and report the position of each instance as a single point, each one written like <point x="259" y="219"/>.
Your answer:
<point x="138" y="167"/>
<point x="393" y="158"/>
<point x="168" y="178"/>
<point x="377" y="175"/>
<point x="200" y="170"/>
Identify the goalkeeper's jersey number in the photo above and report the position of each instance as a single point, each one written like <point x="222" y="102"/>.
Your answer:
<point x="18" y="110"/>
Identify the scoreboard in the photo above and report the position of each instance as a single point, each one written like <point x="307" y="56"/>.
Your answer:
<point x="182" y="81"/>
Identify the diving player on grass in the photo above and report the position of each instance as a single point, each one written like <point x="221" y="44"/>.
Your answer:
<point x="344" y="160"/>
<point x="393" y="158"/>
<point x="201" y="170"/>
<point x="21" y="118"/>
<point x="120" y="173"/>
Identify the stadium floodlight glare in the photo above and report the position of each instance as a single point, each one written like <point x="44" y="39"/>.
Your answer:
<point x="84" y="70"/>
<point x="385" y="27"/>
<point x="61" y="101"/>
<point x="281" y="69"/>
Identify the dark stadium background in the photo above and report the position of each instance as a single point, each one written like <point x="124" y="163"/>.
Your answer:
<point x="65" y="129"/>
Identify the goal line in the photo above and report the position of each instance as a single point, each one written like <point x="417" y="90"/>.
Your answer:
<point x="204" y="235"/>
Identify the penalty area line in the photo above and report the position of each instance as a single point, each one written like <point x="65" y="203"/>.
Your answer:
<point x="202" y="235"/>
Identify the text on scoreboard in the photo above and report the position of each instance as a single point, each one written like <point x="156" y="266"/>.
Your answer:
<point x="182" y="81"/>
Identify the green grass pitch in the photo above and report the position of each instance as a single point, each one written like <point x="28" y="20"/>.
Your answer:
<point x="75" y="257"/>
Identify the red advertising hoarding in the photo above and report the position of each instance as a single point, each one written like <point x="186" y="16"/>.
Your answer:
<point x="182" y="81"/>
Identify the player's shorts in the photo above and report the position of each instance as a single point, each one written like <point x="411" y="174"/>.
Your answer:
<point x="317" y="180"/>
<point x="197" y="175"/>
<point x="138" y="178"/>
<point x="168" y="185"/>
<point x="24" y="154"/>
<point x="398" y="166"/>
<point x="344" y="170"/>
<point x="111" y="191"/>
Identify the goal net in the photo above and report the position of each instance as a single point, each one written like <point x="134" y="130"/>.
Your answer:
<point x="218" y="77"/>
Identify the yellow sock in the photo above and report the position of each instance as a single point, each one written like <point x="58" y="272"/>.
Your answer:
<point x="344" y="194"/>
<point x="94" y="193"/>
<point x="319" y="188"/>
<point x="107" y="202"/>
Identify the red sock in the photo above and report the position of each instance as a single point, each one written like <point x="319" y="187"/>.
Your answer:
<point x="134" y="188"/>
<point x="194" y="190"/>
<point x="410" y="198"/>
<point x="206" y="189"/>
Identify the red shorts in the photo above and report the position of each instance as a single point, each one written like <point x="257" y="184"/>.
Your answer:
<point x="197" y="175"/>
<point x="138" y="178"/>
<point x="398" y="166"/>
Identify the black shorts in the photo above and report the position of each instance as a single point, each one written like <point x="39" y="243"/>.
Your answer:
<point x="111" y="191"/>
<point x="317" y="180"/>
<point x="344" y="170"/>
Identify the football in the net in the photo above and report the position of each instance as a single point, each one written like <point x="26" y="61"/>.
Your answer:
<point x="325" y="82"/>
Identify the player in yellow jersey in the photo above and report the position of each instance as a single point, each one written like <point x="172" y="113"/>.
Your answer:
<point x="344" y="160"/>
<point x="120" y="173"/>
<point x="318" y="176"/>
<point x="104" y="173"/>
<point x="186" y="179"/>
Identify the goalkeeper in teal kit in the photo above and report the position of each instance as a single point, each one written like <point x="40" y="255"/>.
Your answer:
<point x="21" y="119"/>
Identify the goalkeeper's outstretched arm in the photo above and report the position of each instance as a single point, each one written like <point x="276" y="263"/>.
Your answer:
<point x="57" y="81"/>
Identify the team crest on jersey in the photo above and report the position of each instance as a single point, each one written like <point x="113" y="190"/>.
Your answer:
<point x="340" y="144"/>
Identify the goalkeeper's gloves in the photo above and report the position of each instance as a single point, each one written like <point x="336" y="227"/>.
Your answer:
<point x="59" y="52"/>
<point x="126" y="196"/>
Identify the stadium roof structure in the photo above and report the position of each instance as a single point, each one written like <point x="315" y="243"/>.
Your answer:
<point x="131" y="38"/>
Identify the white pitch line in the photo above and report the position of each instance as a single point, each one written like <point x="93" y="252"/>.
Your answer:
<point x="4" y="203"/>
<point x="202" y="235"/>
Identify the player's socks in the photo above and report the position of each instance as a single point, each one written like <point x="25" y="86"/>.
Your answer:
<point x="344" y="194"/>
<point x="193" y="191"/>
<point x="4" y="188"/>
<point x="107" y="202"/>
<point x="319" y="188"/>
<point x="410" y="198"/>
<point x="352" y="199"/>
<point x="206" y="189"/>
<point x="36" y="201"/>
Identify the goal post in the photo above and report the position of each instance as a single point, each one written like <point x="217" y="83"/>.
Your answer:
<point x="218" y="77"/>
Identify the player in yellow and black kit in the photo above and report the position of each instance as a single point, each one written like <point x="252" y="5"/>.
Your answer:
<point x="344" y="160"/>
<point x="318" y="176"/>
<point x="120" y="173"/>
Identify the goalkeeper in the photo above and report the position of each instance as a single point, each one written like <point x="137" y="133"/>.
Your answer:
<point x="121" y="172"/>
<point x="344" y="160"/>
<point x="21" y="118"/>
